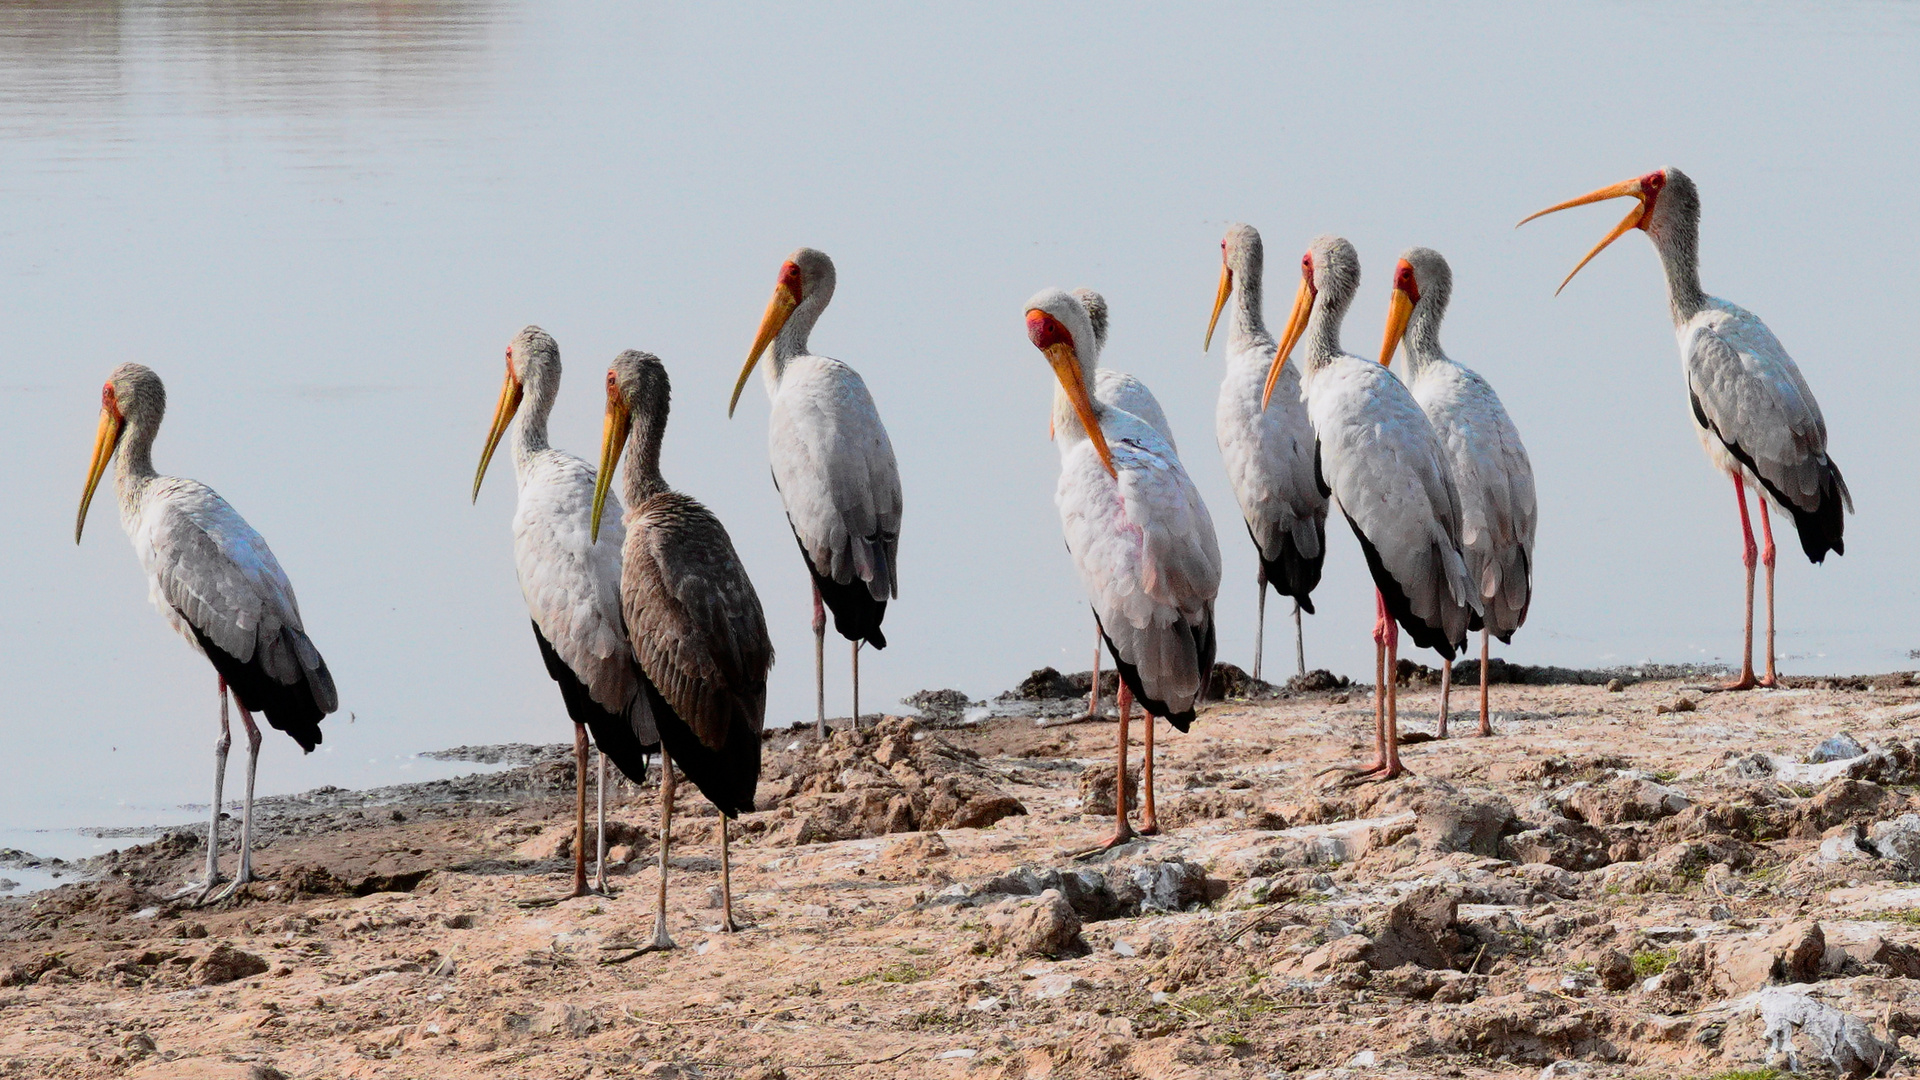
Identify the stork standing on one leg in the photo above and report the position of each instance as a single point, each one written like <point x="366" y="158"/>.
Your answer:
<point x="1138" y="532"/>
<point x="833" y="466"/>
<point x="693" y="618"/>
<point x="1754" y="413"/>
<point x="218" y="584"/>
<point x="1267" y="446"/>
<point x="1491" y="472"/>
<point x="572" y="587"/>
<point x="1384" y="468"/>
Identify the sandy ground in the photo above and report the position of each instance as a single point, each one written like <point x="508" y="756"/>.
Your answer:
<point x="1623" y="889"/>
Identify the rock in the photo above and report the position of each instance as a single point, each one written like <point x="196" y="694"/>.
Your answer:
<point x="555" y="843"/>
<point x="1321" y="844"/>
<point x="940" y="706"/>
<point x="1561" y="1069"/>
<point x="1173" y="885"/>
<point x="1614" y="686"/>
<point x="1897" y="841"/>
<point x="662" y="1070"/>
<point x="1045" y="926"/>
<point x="1841" y="802"/>
<point x="458" y="921"/>
<point x="563" y="1019"/>
<point x="1418" y="930"/>
<point x="264" y="1072"/>
<point x="1317" y="680"/>
<point x="1462" y="822"/>
<point x="1791" y="954"/>
<point x="1838" y="747"/>
<point x="1614" y="969"/>
<point x="1227" y="681"/>
<point x="1619" y="800"/>
<point x="223" y="964"/>
<point x="1047" y="683"/>
<point x="1096" y="790"/>
<point x="1561" y="842"/>
<point x="1365" y="1059"/>
<point x="1823" y="1034"/>
<point x="1845" y="843"/>
<point x="1058" y="984"/>
<point x="1680" y="704"/>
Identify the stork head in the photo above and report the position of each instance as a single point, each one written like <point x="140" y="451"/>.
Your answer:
<point x="1096" y="306"/>
<point x="1329" y="276"/>
<point x="531" y="355"/>
<point x="636" y="383"/>
<point x="1666" y="206"/>
<point x="1240" y="257"/>
<point x="1058" y="325"/>
<point x="132" y="396"/>
<point x="1422" y="284"/>
<point x="806" y="278"/>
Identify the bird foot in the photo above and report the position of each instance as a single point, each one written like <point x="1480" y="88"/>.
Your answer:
<point x="1122" y="835"/>
<point x="593" y="888"/>
<point x="197" y="893"/>
<point x="661" y="941"/>
<point x="1375" y="773"/>
<point x="1149" y="827"/>
<point x="1771" y="682"/>
<point x="1486" y="729"/>
<point x="243" y="878"/>
<point x="1746" y="681"/>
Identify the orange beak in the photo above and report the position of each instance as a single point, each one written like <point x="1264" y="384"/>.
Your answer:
<point x="1296" y="325"/>
<point x="779" y="310"/>
<point x="613" y="439"/>
<point x="1399" y="310"/>
<point x="510" y="393"/>
<point x="1066" y="367"/>
<point x="1219" y="301"/>
<point x="105" y="439"/>
<point x="1634" y="216"/>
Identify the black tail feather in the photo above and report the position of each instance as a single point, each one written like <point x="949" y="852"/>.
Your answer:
<point x="1292" y="574"/>
<point x="728" y="776"/>
<point x="612" y="732"/>
<point x="291" y="709"/>
<point x="1205" y="646"/>
<point x="856" y="614"/>
<point x="1424" y="636"/>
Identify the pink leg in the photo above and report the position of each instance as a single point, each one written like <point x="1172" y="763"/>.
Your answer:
<point x="1122" y="829"/>
<point x="1766" y="560"/>
<point x="1749" y="554"/>
<point x="1383" y="676"/>
<point x="1093" y="692"/>
<point x="819" y="666"/>
<point x="1393" y="767"/>
<point x="1149" y="821"/>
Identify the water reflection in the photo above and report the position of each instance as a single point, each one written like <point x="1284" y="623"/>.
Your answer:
<point x="88" y="62"/>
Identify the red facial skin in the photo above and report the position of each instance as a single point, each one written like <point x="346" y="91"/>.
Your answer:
<point x="790" y="277"/>
<point x="613" y="388"/>
<point x="1045" y="330"/>
<point x="111" y="401"/>
<point x="1403" y="280"/>
<point x="1651" y="185"/>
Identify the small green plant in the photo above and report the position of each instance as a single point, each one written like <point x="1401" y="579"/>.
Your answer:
<point x="1764" y="1072"/>
<point x="902" y="972"/>
<point x="1904" y="916"/>
<point x="1666" y="776"/>
<point x="1650" y="962"/>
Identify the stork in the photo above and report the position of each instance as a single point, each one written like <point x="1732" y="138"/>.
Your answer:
<point x="693" y="618"/>
<point x="1491" y="472"/>
<point x="1755" y="415"/>
<point x="1384" y="468"/>
<point x="833" y="466"/>
<point x="572" y="588"/>
<point x="1266" y="443"/>
<point x="216" y="582"/>
<point x="1138" y="532"/>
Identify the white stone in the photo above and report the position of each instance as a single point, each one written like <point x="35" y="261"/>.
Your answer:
<point x="1365" y="1059"/>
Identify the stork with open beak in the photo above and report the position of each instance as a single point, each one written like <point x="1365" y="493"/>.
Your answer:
<point x="693" y="618"/>
<point x="571" y="584"/>
<point x="216" y="582"/>
<point x="1138" y="533"/>
<point x="1755" y="415"/>
<point x="1384" y="467"/>
<point x="833" y="466"/>
<point x="1491" y="472"/>
<point x="1266" y="443"/>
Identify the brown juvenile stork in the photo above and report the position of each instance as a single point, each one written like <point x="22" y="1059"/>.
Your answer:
<point x="692" y="615"/>
<point x="1755" y="415"/>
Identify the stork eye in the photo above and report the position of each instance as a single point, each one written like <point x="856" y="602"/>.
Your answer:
<point x="1306" y="266"/>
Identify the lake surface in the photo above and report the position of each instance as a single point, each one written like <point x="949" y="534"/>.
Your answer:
<point x="321" y="222"/>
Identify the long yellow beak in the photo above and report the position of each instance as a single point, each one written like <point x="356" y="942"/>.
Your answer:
<point x="105" y="439"/>
<point x="1219" y="301"/>
<point x="1399" y="310"/>
<point x="612" y="441"/>
<point x="779" y="310"/>
<point x="1066" y="368"/>
<point x="1296" y="325"/>
<point x="1613" y="191"/>
<point x="510" y="394"/>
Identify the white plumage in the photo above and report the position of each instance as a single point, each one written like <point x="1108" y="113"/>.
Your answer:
<point x="1267" y="443"/>
<point x="571" y="585"/>
<point x="218" y="585"/>
<point x="1492" y="475"/>
<point x="1136" y="527"/>
<point x="833" y="465"/>
<point x="1754" y="414"/>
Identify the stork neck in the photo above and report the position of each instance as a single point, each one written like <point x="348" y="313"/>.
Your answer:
<point x="1422" y="340"/>
<point x="641" y="478"/>
<point x="792" y="339"/>
<point x="1249" y="325"/>
<point x="133" y="465"/>
<point x="542" y="386"/>
<point x="1680" y="257"/>
<point x="1322" y="337"/>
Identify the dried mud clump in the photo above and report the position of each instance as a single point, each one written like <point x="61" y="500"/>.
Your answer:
<point x="892" y="778"/>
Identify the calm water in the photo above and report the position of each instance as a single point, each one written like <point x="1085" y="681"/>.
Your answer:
<point x="322" y="222"/>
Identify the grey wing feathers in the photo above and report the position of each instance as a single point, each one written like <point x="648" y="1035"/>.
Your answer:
<point x="834" y="466"/>
<point x="213" y="572"/>
<point x="694" y="618"/>
<point x="1119" y="390"/>
<point x="1753" y="396"/>
<point x="1493" y="479"/>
